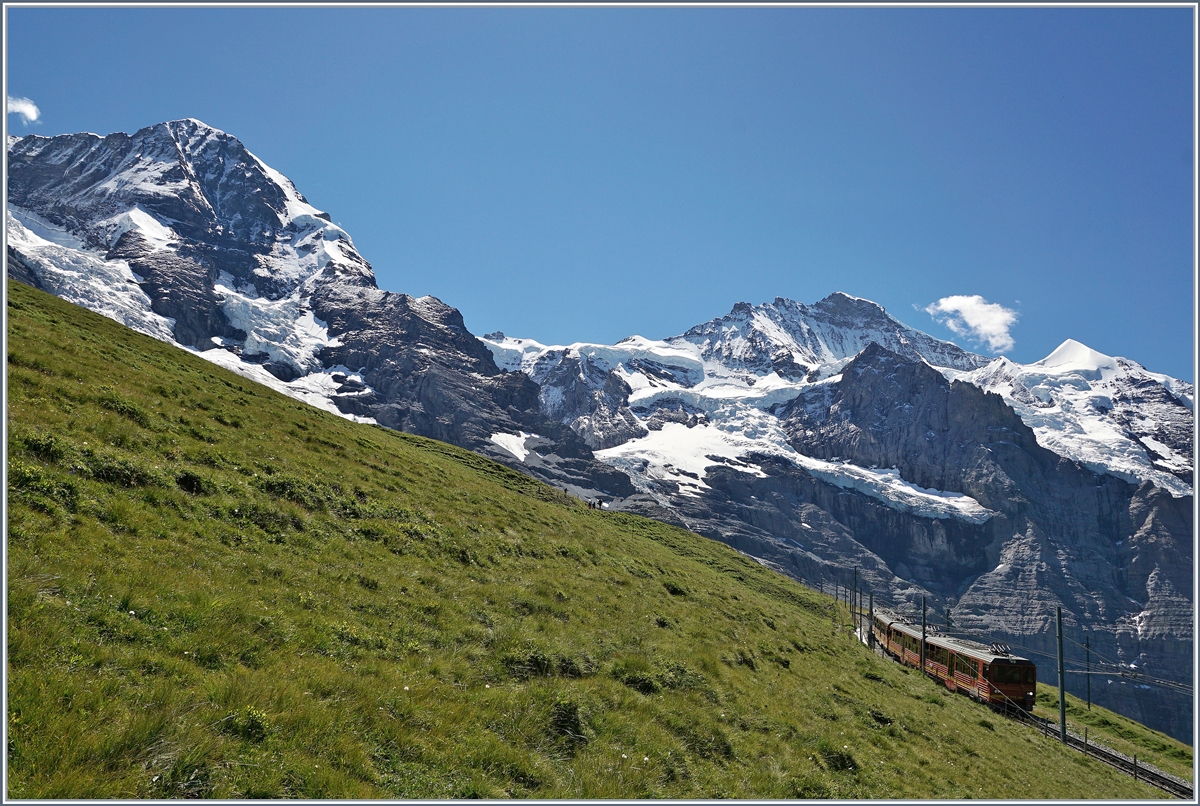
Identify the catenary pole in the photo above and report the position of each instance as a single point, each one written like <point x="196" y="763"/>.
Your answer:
<point x="1062" y="691"/>
<point x="871" y="621"/>
<point x="854" y="599"/>
<point x="922" y="635"/>
<point x="1087" y="645"/>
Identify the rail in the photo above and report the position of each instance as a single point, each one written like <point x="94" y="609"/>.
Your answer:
<point x="1140" y="770"/>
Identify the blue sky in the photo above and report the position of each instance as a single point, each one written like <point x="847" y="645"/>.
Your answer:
<point x="579" y="174"/>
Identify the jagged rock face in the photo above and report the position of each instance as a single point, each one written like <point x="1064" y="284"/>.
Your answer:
<point x="179" y="289"/>
<point x="889" y="411"/>
<point x="1077" y="526"/>
<point x="591" y="399"/>
<point x="1166" y="434"/>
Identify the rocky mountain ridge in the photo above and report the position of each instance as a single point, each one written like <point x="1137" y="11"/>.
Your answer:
<point x="179" y="231"/>
<point x="816" y="437"/>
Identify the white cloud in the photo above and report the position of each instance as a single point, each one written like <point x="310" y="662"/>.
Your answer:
<point x="24" y="107"/>
<point x="975" y="318"/>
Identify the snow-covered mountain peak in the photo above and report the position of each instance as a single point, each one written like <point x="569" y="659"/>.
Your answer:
<point x="1108" y="413"/>
<point x="860" y="307"/>
<point x="191" y="188"/>
<point x="224" y="243"/>
<point x="794" y="339"/>
<point x="1072" y="356"/>
<point x="191" y="126"/>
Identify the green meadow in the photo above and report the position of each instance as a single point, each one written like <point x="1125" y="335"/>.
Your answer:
<point x="217" y="591"/>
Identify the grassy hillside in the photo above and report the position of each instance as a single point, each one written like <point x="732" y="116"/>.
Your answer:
<point x="214" y="590"/>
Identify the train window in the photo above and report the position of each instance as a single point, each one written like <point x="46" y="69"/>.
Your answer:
<point x="1031" y="674"/>
<point x="1006" y="673"/>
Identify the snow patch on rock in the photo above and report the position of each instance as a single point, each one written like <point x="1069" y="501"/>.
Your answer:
<point x="153" y="232"/>
<point x="513" y="443"/>
<point x="315" y="389"/>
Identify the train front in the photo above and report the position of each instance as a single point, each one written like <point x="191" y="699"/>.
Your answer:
<point x="1012" y="682"/>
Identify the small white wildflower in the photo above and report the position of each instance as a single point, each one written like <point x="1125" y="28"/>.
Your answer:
<point x="645" y="758"/>
<point x="485" y="685"/>
<point x="406" y="688"/>
<point x="132" y="613"/>
<point x="624" y="756"/>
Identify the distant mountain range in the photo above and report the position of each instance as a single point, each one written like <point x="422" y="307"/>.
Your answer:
<point x="818" y="438"/>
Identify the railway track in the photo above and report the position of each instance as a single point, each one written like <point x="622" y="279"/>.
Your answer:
<point x="1140" y="770"/>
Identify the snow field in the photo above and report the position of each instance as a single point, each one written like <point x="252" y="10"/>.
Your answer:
<point x="109" y="288"/>
<point x="284" y="329"/>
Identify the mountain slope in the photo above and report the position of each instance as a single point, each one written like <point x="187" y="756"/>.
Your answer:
<point x="216" y="591"/>
<point x="820" y="437"/>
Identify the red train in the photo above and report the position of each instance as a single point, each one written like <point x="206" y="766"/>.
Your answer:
<point x="988" y="674"/>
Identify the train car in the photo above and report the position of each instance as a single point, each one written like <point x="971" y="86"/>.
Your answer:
<point x="990" y="674"/>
